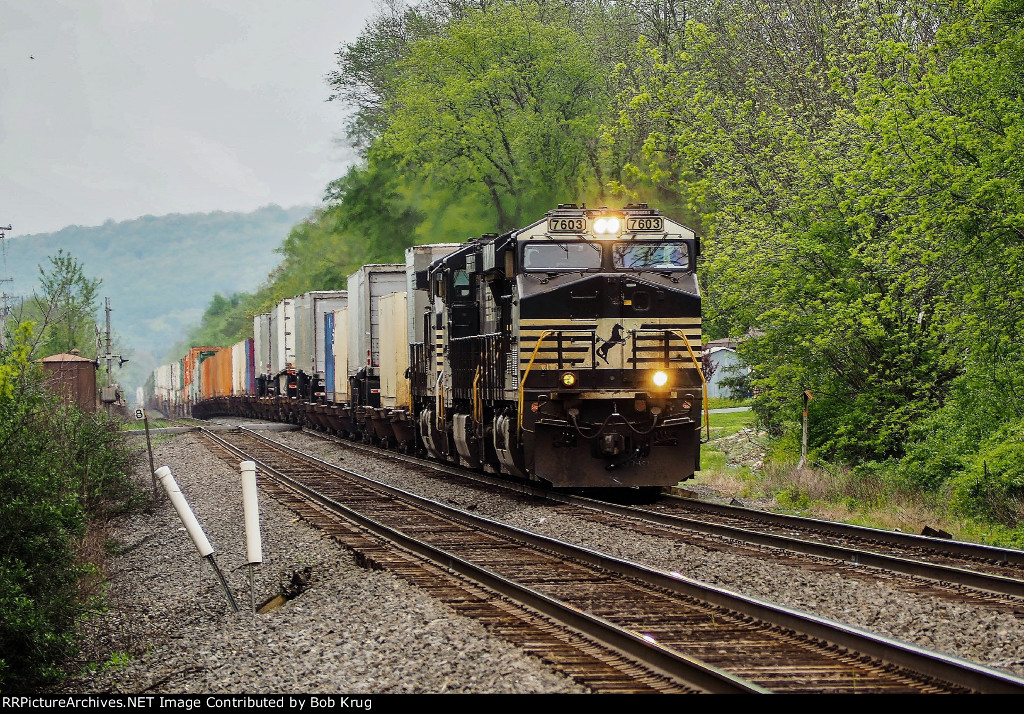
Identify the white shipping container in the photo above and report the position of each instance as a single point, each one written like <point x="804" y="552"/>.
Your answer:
<point x="261" y="343"/>
<point x="177" y="380"/>
<point x="282" y="344"/>
<point x="309" y="327"/>
<point x="162" y="381"/>
<point x="394" y="351"/>
<point x="325" y="301"/>
<point x="366" y="287"/>
<point x="238" y="362"/>
<point x="417" y="259"/>
<point x="302" y="331"/>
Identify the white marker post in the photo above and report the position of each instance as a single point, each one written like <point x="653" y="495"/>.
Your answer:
<point x="195" y="531"/>
<point x="251" y="507"/>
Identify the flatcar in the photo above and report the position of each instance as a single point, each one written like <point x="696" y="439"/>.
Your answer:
<point x="566" y="352"/>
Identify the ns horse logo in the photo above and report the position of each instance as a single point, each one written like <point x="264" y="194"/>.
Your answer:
<point x="617" y="338"/>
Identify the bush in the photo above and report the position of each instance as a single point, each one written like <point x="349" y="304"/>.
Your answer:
<point x="58" y="469"/>
<point x="992" y="487"/>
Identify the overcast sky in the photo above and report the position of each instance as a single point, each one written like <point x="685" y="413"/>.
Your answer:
<point x="136" y="107"/>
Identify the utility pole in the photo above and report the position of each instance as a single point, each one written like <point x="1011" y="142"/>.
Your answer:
<point x="110" y="393"/>
<point x="5" y="309"/>
<point x="109" y="356"/>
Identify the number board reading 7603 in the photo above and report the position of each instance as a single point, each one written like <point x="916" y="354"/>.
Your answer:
<point x="634" y="224"/>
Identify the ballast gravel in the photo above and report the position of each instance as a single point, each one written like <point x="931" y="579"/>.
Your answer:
<point x="963" y="630"/>
<point x="169" y="627"/>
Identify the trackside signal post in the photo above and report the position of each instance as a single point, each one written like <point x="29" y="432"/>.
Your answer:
<point x="112" y="392"/>
<point x="141" y="414"/>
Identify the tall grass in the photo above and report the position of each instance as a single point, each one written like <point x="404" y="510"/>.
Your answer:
<point x="875" y="495"/>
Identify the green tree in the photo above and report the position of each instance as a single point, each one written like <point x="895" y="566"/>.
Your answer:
<point x="66" y="308"/>
<point x="860" y="176"/>
<point x="756" y="120"/>
<point x="502" y="105"/>
<point x="945" y="183"/>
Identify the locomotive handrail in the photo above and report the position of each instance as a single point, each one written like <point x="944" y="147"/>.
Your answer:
<point x="704" y="382"/>
<point x="478" y="408"/>
<point x="526" y="373"/>
<point x="439" y="399"/>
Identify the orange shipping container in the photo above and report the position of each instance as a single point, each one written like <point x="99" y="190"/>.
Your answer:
<point x="211" y="371"/>
<point x="219" y="384"/>
<point x="195" y="355"/>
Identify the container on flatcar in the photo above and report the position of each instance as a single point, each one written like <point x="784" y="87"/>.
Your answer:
<point x="192" y="387"/>
<point x="417" y="259"/>
<point x="366" y="287"/>
<point x="282" y="347"/>
<point x="394" y="351"/>
<point x="338" y="389"/>
<point x="242" y="368"/>
<point x="262" y="337"/>
<point x="160" y="389"/>
<point x="311" y="324"/>
<point x="213" y="374"/>
<point x="218" y="376"/>
<point x="178" y="394"/>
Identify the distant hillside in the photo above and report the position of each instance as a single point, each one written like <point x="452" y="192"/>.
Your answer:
<point x="160" y="272"/>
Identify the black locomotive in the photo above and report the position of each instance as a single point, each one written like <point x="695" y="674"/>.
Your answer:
<point x="567" y="351"/>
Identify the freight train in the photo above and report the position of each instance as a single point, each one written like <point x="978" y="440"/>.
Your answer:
<point x="566" y="352"/>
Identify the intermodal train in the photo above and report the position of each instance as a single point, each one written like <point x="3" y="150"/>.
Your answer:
<point x="566" y="352"/>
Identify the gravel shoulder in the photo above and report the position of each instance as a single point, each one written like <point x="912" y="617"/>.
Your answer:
<point x="169" y="628"/>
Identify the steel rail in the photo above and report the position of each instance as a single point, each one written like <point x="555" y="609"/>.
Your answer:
<point x="1000" y="584"/>
<point x="895" y="538"/>
<point x="906" y="566"/>
<point x="660" y="659"/>
<point x="943" y="667"/>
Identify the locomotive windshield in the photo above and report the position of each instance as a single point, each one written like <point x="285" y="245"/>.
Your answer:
<point x="561" y="256"/>
<point x="651" y="256"/>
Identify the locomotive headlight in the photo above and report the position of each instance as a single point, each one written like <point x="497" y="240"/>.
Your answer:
<point x="660" y="379"/>
<point x="568" y="379"/>
<point x="607" y="225"/>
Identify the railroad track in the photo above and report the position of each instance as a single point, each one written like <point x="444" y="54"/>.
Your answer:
<point x="675" y="633"/>
<point x="952" y="570"/>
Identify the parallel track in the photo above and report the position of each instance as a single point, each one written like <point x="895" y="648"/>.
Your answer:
<point x="695" y="635"/>
<point x="956" y="570"/>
